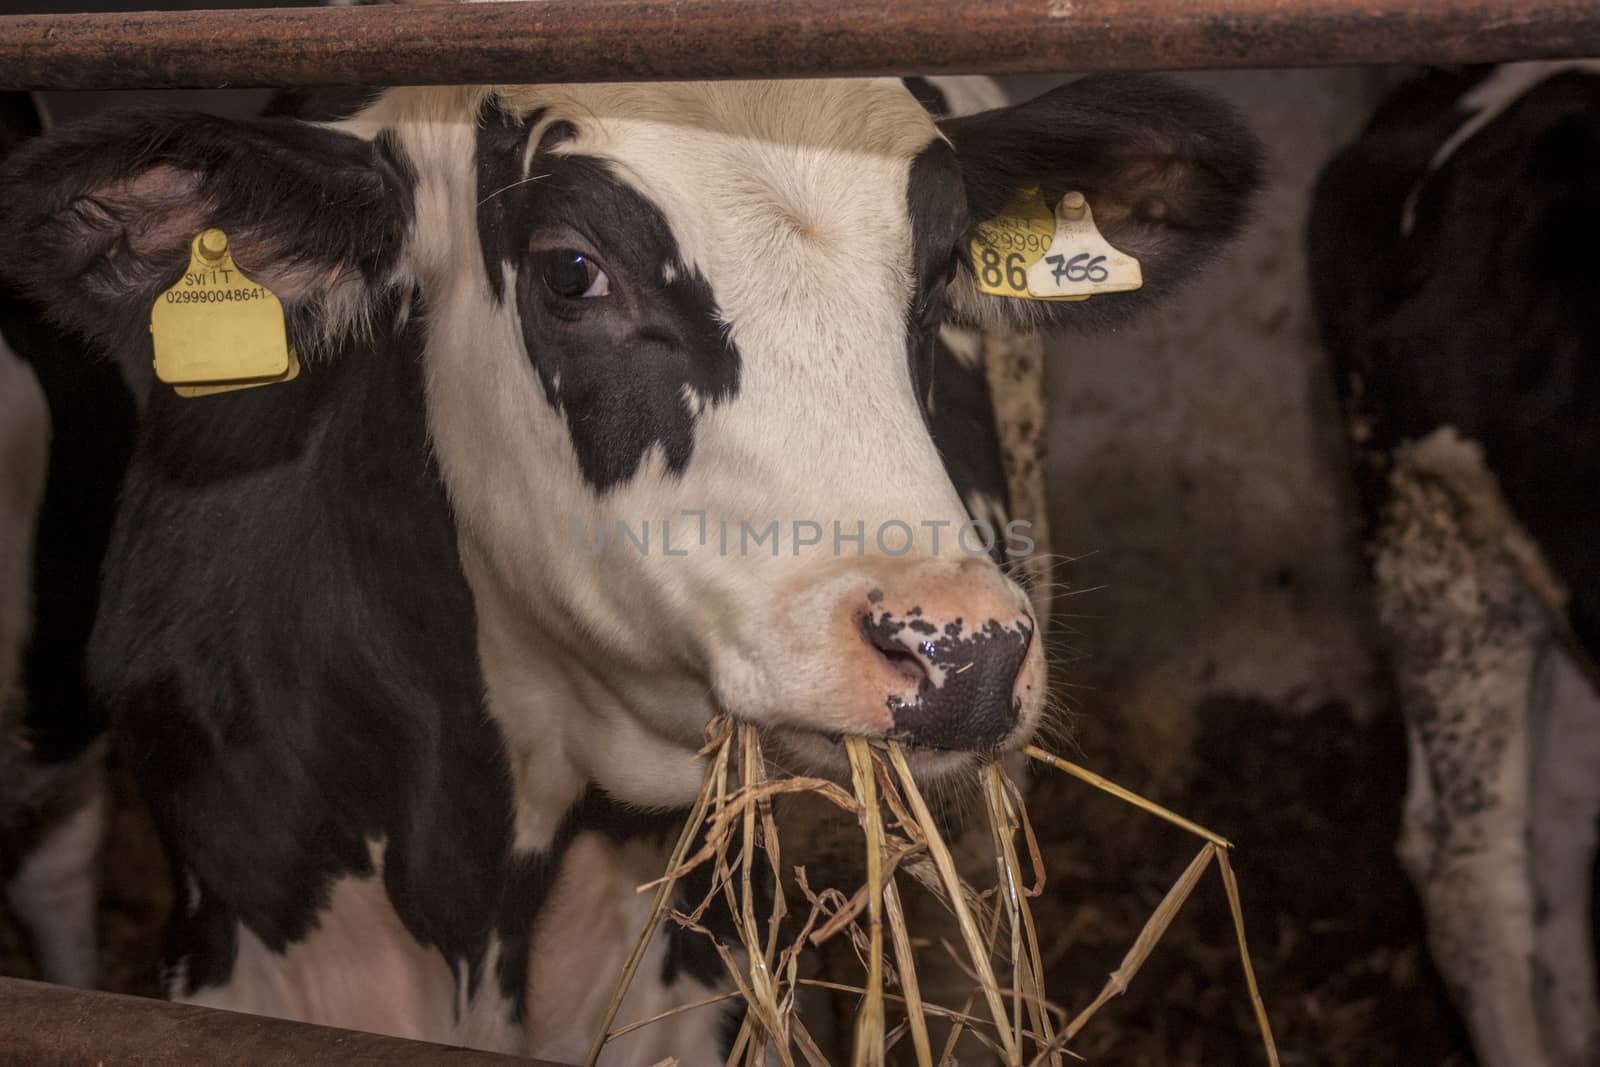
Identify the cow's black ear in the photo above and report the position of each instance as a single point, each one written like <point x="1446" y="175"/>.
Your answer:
<point x="97" y="218"/>
<point x="1168" y="172"/>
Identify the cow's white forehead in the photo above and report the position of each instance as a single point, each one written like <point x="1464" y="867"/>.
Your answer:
<point x="760" y="181"/>
<point x="789" y="201"/>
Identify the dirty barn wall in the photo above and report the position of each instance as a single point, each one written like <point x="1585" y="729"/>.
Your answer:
<point x="1195" y="463"/>
<point x="1216" y="650"/>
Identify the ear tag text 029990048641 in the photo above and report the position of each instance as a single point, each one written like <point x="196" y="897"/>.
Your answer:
<point x="216" y="330"/>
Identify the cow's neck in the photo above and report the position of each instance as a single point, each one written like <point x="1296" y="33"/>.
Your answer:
<point x="567" y="720"/>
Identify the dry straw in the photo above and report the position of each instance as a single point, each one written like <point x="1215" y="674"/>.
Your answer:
<point x="732" y="821"/>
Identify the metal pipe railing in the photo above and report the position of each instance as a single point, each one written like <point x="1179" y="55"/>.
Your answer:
<point x="641" y="40"/>
<point x="47" y="1024"/>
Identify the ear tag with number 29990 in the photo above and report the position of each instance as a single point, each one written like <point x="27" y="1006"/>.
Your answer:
<point x="217" y="330"/>
<point x="1029" y="252"/>
<point x="1006" y="246"/>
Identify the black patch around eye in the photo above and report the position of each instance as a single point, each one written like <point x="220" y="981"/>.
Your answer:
<point x="630" y="373"/>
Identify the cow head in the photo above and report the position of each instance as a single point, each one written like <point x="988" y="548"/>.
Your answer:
<point x="679" y="345"/>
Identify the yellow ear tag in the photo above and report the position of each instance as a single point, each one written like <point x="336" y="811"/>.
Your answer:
<point x="1005" y="247"/>
<point x="1079" y="262"/>
<point x="216" y="328"/>
<point x="227" y="387"/>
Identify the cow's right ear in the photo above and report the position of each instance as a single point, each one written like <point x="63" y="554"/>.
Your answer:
<point x="96" y="219"/>
<point x="1169" y="173"/>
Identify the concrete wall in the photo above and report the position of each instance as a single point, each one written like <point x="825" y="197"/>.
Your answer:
<point x="1196" y="466"/>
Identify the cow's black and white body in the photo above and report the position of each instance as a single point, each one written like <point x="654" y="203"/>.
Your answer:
<point x="410" y="739"/>
<point x="1452" y="251"/>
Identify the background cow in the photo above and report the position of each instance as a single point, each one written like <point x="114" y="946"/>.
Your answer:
<point x="1452" y="247"/>
<point x="521" y="310"/>
<point x="57" y="494"/>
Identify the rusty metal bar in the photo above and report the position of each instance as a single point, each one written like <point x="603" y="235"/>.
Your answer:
<point x="46" y="1024"/>
<point x="642" y="40"/>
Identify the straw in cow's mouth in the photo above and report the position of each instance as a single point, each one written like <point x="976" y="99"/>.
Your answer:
<point x="735" y="823"/>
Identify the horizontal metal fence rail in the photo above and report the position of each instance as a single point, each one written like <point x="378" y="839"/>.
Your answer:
<point x="63" y="1027"/>
<point x="642" y="40"/>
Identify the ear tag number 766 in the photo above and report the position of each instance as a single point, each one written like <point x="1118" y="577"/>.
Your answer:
<point x="1080" y="262"/>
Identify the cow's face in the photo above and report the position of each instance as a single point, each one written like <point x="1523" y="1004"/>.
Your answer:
<point x="678" y="358"/>
<point x="710" y="309"/>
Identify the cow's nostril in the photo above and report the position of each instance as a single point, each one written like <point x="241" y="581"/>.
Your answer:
<point x="967" y="679"/>
<point x="892" y="652"/>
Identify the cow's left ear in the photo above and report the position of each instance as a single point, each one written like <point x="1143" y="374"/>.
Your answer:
<point x="97" y="218"/>
<point x="1168" y="173"/>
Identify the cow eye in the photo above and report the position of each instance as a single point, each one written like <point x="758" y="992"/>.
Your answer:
<point x="573" y="275"/>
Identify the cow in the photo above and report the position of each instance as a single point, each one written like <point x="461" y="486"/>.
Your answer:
<point x="1451" y="251"/>
<point x="57" y="493"/>
<point x="50" y="812"/>
<point x="613" y="415"/>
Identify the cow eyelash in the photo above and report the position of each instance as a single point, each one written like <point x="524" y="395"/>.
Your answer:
<point x="571" y="274"/>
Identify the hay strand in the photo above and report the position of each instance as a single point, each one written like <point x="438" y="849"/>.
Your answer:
<point x="719" y="734"/>
<point x="869" y="1043"/>
<point x="735" y="823"/>
<point x="1263" y="1024"/>
<point x="946" y="865"/>
<point x="947" y="1056"/>
<point x="1154" y="927"/>
<point x="752" y="772"/>
<point x="1220" y="847"/>
<point x="732" y="808"/>
<point x="1030" y="970"/>
<point x="906" y="968"/>
<point x="1127" y="795"/>
<point x="640" y="1024"/>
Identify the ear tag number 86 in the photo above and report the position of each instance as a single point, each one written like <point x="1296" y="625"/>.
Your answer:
<point x="1006" y="246"/>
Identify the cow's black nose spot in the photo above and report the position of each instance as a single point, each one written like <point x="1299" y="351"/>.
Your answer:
<point x="973" y="705"/>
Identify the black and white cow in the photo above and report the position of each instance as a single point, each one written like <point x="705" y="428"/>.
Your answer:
<point x="57" y="495"/>
<point x="410" y="739"/>
<point x="1452" y="249"/>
